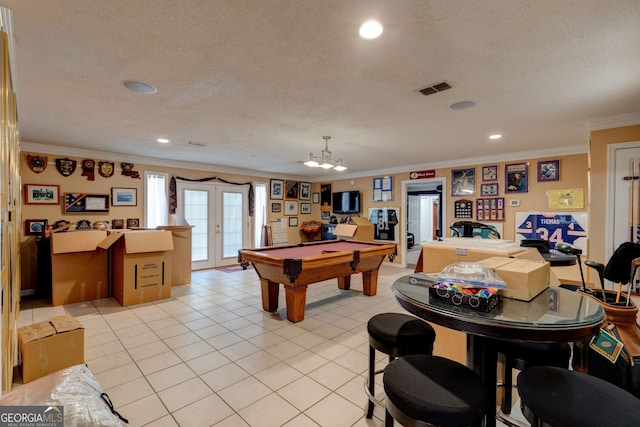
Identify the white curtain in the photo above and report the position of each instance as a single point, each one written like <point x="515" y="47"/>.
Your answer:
<point x="260" y="212"/>
<point x="156" y="203"/>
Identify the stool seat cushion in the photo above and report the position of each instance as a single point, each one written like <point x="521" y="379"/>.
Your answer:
<point x="435" y="390"/>
<point x="561" y="397"/>
<point x="401" y="331"/>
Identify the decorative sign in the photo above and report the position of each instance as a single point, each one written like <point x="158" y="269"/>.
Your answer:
<point x="554" y="227"/>
<point x="88" y="166"/>
<point x="66" y="166"/>
<point x="106" y="169"/>
<point x="385" y="223"/>
<point x="422" y="174"/>
<point x="570" y="198"/>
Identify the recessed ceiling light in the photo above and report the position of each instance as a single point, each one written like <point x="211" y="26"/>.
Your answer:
<point x="462" y="105"/>
<point x="163" y="140"/>
<point x="495" y="136"/>
<point x="370" y="30"/>
<point x="140" y="87"/>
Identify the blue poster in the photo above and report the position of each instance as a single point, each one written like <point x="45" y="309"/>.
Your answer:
<point x="555" y="227"/>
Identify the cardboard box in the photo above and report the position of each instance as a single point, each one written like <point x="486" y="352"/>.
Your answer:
<point x="360" y="229"/>
<point x="525" y="278"/>
<point x="437" y="255"/>
<point x="49" y="346"/>
<point x="181" y="256"/>
<point x="141" y="265"/>
<point x="78" y="267"/>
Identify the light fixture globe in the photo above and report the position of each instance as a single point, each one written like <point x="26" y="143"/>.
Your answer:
<point x="324" y="160"/>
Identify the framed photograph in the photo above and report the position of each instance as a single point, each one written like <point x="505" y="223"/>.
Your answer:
<point x="463" y="182"/>
<point x="290" y="208"/>
<point x="276" y="207"/>
<point x="516" y="178"/>
<point x="292" y="188"/>
<point x="81" y="203"/>
<point x="124" y="196"/>
<point x="325" y="215"/>
<point x="41" y="194"/>
<point x="305" y="208"/>
<point x="325" y="195"/>
<point x="316" y="198"/>
<point x="277" y="189"/>
<point x="490" y="173"/>
<point x="133" y="222"/>
<point x="489" y="189"/>
<point x="305" y="191"/>
<point x="117" y="224"/>
<point x="35" y="227"/>
<point x="293" y="221"/>
<point x="549" y="170"/>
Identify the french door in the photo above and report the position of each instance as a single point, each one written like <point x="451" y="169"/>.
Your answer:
<point x="219" y="214"/>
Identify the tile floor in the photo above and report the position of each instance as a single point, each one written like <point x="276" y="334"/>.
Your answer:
<point x="210" y="356"/>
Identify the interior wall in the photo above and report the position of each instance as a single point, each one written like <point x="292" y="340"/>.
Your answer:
<point x="599" y="159"/>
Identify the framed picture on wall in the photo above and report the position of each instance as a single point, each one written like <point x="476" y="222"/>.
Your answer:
<point x="489" y="189"/>
<point x="325" y="195"/>
<point x="293" y="221"/>
<point x="516" y="178"/>
<point x="277" y="189"/>
<point x="316" y="198"/>
<point x="41" y="194"/>
<point x="305" y="191"/>
<point x="490" y="173"/>
<point x="292" y="188"/>
<point x="290" y="208"/>
<point x="549" y="170"/>
<point x="463" y="182"/>
<point x="305" y="208"/>
<point x="276" y="207"/>
<point x="124" y="196"/>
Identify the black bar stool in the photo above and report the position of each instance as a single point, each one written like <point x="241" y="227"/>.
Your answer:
<point x="523" y="355"/>
<point x="426" y="390"/>
<point x="395" y="334"/>
<point x="553" y="396"/>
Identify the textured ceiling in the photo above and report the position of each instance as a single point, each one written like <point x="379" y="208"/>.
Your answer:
<point x="259" y="82"/>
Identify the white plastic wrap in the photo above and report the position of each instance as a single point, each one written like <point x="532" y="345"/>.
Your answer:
<point x="76" y="389"/>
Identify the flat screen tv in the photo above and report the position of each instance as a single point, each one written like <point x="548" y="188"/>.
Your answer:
<point x="346" y="202"/>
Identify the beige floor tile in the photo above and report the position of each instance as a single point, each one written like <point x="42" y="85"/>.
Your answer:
<point x="128" y="392"/>
<point x="333" y="410"/>
<point x="185" y="393"/>
<point x="160" y="361"/>
<point x="169" y="377"/>
<point x="224" y="376"/>
<point x="277" y="376"/>
<point x="118" y="375"/>
<point x="271" y="411"/>
<point x="143" y="411"/>
<point x="244" y="393"/>
<point x="304" y="392"/>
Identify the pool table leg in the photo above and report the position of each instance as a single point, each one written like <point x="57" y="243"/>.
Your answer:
<point x="296" y="299"/>
<point x="344" y="282"/>
<point x="370" y="282"/>
<point x="269" y="294"/>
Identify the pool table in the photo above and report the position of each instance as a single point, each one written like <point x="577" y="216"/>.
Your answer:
<point x="297" y="266"/>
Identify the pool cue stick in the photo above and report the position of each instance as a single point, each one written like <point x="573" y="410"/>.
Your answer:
<point x="634" y="267"/>
<point x="619" y="291"/>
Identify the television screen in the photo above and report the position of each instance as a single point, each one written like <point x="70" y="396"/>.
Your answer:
<point x="346" y="202"/>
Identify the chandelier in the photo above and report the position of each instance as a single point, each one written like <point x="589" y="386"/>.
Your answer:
<point x="325" y="161"/>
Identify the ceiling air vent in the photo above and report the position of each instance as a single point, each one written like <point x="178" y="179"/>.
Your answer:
<point x="435" y="88"/>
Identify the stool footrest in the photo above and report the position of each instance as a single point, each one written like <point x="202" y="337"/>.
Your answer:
<point x="372" y="398"/>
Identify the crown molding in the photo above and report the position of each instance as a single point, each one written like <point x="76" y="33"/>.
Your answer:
<point x="151" y="161"/>
<point x="620" y="120"/>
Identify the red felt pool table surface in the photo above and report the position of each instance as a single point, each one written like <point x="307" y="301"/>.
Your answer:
<point x="297" y="266"/>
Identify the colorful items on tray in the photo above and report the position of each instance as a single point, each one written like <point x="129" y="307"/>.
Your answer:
<point x="458" y="288"/>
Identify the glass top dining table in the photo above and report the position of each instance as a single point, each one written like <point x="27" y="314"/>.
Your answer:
<point x="555" y="315"/>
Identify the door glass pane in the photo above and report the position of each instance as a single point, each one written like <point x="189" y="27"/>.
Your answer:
<point x="231" y="224"/>
<point x="196" y="212"/>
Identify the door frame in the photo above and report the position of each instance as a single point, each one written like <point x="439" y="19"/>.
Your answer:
<point x="611" y="193"/>
<point x="215" y="191"/>
<point x="403" y="226"/>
